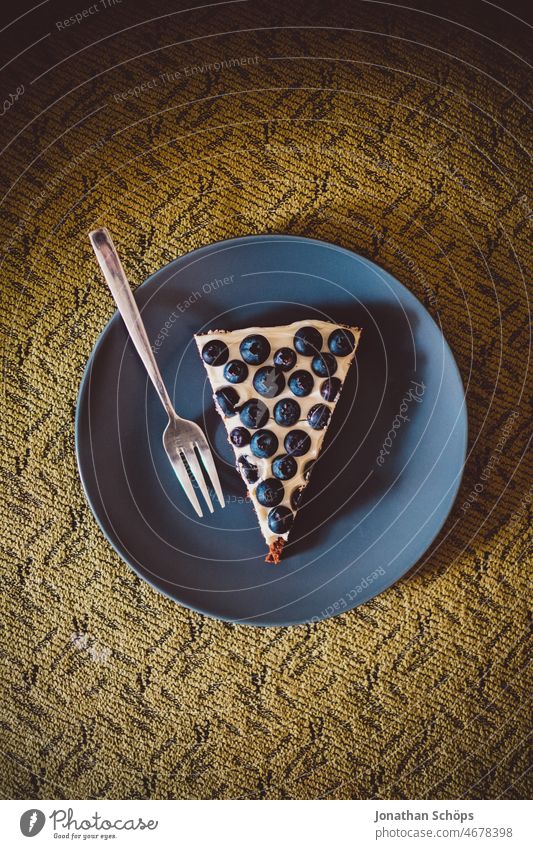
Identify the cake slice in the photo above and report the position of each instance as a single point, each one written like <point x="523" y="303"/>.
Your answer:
<point x="276" y="388"/>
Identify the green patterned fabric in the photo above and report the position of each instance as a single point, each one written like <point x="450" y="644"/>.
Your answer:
<point x="393" y="133"/>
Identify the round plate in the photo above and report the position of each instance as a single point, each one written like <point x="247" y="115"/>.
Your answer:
<point x="388" y="473"/>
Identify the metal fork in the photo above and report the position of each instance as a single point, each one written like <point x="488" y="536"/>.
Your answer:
<point x="181" y="437"/>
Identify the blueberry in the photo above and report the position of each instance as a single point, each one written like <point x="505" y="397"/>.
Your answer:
<point x="297" y="442"/>
<point x="284" y="467"/>
<point x="286" y="412"/>
<point x="248" y="470"/>
<point x="330" y="389"/>
<point x="285" y="359"/>
<point x="308" y="468"/>
<point x="235" y="371"/>
<point x="307" y="341"/>
<point x="280" y="520"/>
<point x="296" y="497"/>
<point x="318" y="416"/>
<point x="301" y="382"/>
<point x="254" y="414"/>
<point x="325" y="365"/>
<point x="270" y="493"/>
<point x="264" y="443"/>
<point x="227" y="399"/>
<point x="254" y="349"/>
<point x="215" y="353"/>
<point x="239" y="437"/>
<point x="341" y="342"/>
<point x="269" y="381"/>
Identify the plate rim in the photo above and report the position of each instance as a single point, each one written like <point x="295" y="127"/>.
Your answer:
<point x="82" y="390"/>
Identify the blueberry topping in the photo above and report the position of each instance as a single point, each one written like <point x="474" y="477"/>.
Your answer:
<point x="297" y="442"/>
<point x="239" y="437"/>
<point x="330" y="389"/>
<point x="287" y="412"/>
<point x="318" y="416"/>
<point x="269" y="493"/>
<point x="280" y="520"/>
<point x="325" y="365"/>
<point x="264" y="443"/>
<point x="269" y="381"/>
<point x="254" y="349"/>
<point x="248" y="470"/>
<point x="235" y="371"/>
<point x="307" y="341"/>
<point x="341" y="342"/>
<point x="285" y="359"/>
<point x="284" y="467"/>
<point x="227" y="399"/>
<point x="308" y="468"/>
<point x="296" y="497"/>
<point x="215" y="353"/>
<point x="301" y="383"/>
<point x="254" y="414"/>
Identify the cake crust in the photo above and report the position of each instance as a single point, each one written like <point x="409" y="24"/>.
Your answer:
<point x="274" y="554"/>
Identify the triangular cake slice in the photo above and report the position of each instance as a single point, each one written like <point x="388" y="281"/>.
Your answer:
<point x="276" y="388"/>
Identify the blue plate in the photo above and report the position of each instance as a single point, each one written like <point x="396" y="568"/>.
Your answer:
<point x="388" y="474"/>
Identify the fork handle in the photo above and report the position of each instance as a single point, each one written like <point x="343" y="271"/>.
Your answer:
<point x="116" y="279"/>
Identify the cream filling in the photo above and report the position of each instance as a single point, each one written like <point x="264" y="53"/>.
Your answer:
<point x="278" y="337"/>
